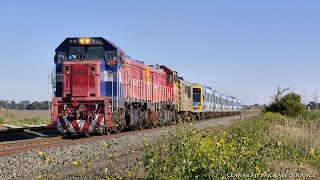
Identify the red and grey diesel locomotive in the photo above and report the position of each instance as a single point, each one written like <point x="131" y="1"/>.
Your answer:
<point x="98" y="88"/>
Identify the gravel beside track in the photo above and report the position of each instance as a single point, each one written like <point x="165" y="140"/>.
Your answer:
<point x="116" y="156"/>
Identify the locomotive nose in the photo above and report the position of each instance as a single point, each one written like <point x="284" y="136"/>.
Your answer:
<point x="82" y="79"/>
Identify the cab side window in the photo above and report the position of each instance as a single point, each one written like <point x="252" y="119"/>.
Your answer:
<point x="62" y="56"/>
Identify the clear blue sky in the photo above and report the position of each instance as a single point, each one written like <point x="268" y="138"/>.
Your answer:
<point x="241" y="48"/>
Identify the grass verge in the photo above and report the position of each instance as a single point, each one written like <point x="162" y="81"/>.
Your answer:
<point x="7" y="117"/>
<point x="30" y="121"/>
<point x="269" y="145"/>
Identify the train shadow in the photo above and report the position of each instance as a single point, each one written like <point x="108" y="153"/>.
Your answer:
<point x="28" y="134"/>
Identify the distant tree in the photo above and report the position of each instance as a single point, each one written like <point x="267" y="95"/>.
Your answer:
<point x="26" y="102"/>
<point x="25" y="105"/>
<point x="21" y="106"/>
<point x="13" y="105"/>
<point x="4" y="104"/>
<point x="289" y="105"/>
<point x="30" y="107"/>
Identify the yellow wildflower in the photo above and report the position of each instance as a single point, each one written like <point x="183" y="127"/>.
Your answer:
<point x="257" y="169"/>
<point x="47" y="159"/>
<point x="39" y="176"/>
<point x="110" y="156"/>
<point x="223" y="133"/>
<point x="278" y="143"/>
<point x="40" y="153"/>
<point x="76" y="163"/>
<point x="193" y="169"/>
<point x="81" y="150"/>
<point x="105" y="145"/>
<point x="130" y="173"/>
<point x="166" y="149"/>
<point x="233" y="169"/>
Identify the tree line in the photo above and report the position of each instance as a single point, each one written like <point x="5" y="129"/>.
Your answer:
<point x="25" y="105"/>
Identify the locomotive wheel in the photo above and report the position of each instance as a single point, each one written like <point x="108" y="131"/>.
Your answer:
<point x="174" y="122"/>
<point x="155" y="125"/>
<point x="67" y="136"/>
<point x="133" y="128"/>
<point x="140" y="126"/>
<point x="116" y="130"/>
<point x="106" y="131"/>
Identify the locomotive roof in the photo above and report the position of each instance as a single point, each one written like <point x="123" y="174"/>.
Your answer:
<point x="93" y="41"/>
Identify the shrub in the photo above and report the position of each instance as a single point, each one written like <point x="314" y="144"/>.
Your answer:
<point x="289" y="105"/>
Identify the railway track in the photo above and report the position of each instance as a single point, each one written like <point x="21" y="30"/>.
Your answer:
<point x="36" y="144"/>
<point x="12" y="128"/>
<point x="26" y="145"/>
<point x="10" y="133"/>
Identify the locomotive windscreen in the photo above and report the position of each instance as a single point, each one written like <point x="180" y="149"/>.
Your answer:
<point x="196" y="94"/>
<point x="95" y="52"/>
<point x="82" y="52"/>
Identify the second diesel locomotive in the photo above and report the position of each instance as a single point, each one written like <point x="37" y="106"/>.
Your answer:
<point x="98" y="88"/>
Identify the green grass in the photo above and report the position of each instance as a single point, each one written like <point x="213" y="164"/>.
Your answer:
<point x="263" y="145"/>
<point x="20" y="117"/>
<point x="30" y="121"/>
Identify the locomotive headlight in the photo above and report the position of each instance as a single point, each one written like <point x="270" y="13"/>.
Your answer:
<point x="87" y="40"/>
<point x="82" y="40"/>
<point x="67" y="70"/>
<point x="93" y="70"/>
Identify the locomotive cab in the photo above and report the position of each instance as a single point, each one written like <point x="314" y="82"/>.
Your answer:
<point x="197" y="97"/>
